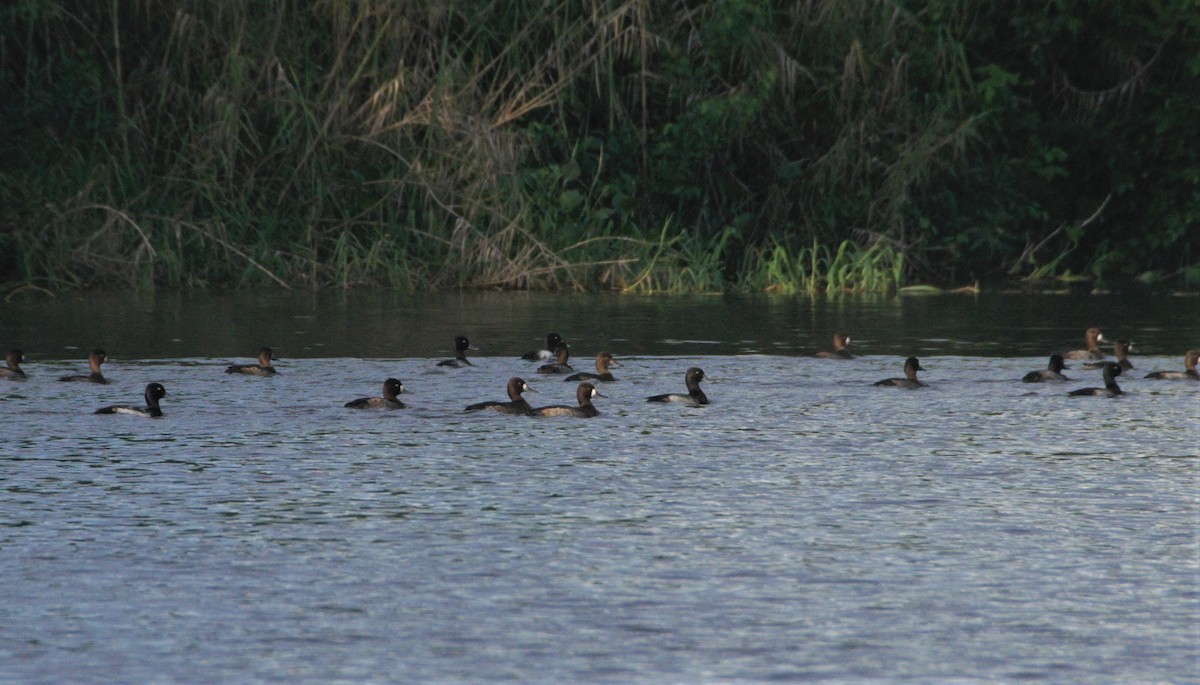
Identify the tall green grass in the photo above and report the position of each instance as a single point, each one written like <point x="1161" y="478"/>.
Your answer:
<point x="571" y="144"/>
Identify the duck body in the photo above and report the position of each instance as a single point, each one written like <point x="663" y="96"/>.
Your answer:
<point x="559" y="365"/>
<point x="391" y="388"/>
<point x="840" y="342"/>
<point x="12" y="366"/>
<point x="1110" y="389"/>
<point x="515" y="405"/>
<point x="1050" y="374"/>
<point x="95" y="358"/>
<point x="583" y="394"/>
<point x="1189" y="374"/>
<point x="553" y="340"/>
<point x="461" y="345"/>
<point x="604" y="361"/>
<point x="154" y="393"/>
<point x="1092" y="337"/>
<point x="263" y="368"/>
<point x="695" y="397"/>
<point x="911" y="366"/>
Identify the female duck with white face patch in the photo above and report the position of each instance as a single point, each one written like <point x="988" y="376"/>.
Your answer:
<point x="840" y="342"/>
<point x="515" y="404"/>
<point x="95" y="358"/>
<point x="391" y="388"/>
<point x="583" y="394"/>
<point x="12" y="366"/>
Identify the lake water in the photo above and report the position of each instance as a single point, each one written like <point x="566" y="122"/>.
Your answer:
<point x="806" y="526"/>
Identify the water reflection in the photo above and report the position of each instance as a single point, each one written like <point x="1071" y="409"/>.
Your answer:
<point x="397" y="324"/>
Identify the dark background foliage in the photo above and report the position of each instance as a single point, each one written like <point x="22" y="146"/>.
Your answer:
<point x="589" y="143"/>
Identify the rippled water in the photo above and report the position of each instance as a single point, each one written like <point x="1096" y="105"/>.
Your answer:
<point x="805" y="526"/>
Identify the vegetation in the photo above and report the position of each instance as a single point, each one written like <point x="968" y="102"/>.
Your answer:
<point x="624" y="144"/>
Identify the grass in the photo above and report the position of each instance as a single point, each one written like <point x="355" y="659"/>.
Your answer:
<point x="571" y="144"/>
<point x="816" y="268"/>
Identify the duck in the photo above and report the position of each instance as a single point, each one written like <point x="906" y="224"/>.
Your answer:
<point x="1189" y="362"/>
<point x="911" y="366"/>
<point x="12" y="365"/>
<point x="695" y="397"/>
<point x="553" y="340"/>
<point x="95" y="358"/>
<point x="840" y="342"/>
<point x="154" y="393"/>
<point x="391" y="388"/>
<point x="461" y="345"/>
<point x="604" y="361"/>
<point x="1052" y="372"/>
<point x="559" y="365"/>
<point x="583" y="394"/>
<point x="516" y="403"/>
<point x="1121" y="350"/>
<point x="262" y="368"/>
<point x="1092" y="337"/>
<point x="1110" y="389"/>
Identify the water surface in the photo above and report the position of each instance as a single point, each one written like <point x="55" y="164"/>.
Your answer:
<point x="806" y="526"/>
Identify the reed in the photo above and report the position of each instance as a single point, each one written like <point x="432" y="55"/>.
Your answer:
<point x="580" y="144"/>
<point x="815" y="269"/>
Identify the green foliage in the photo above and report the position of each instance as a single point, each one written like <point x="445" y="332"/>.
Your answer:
<point x="813" y="147"/>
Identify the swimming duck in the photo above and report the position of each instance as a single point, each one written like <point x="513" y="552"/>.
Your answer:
<point x="559" y="365"/>
<point x="1189" y="362"/>
<point x="154" y="393"/>
<point x="95" y="358"/>
<point x="911" y="366"/>
<point x="552" y="342"/>
<point x="1052" y="372"/>
<point x="12" y="366"/>
<point x="840" y="342"/>
<point x="391" y="388"/>
<point x="583" y="394"/>
<point x="694" y="397"/>
<point x="1110" y="389"/>
<point x="1092" y="337"/>
<point x="604" y="361"/>
<point x="262" y="368"/>
<point x="461" y="345"/>
<point x="516" y="403"/>
<point x="1121" y="350"/>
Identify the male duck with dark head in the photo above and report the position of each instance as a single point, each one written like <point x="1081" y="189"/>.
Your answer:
<point x="515" y="404"/>
<point x="604" y="361"/>
<point x="12" y="366"/>
<point x="1052" y="372"/>
<point x="840" y="342"/>
<point x="1121" y="350"/>
<point x="95" y="358"/>
<point x="559" y="365"/>
<point x="1110" y="389"/>
<point x="262" y="368"/>
<point x="583" y="395"/>
<point x="911" y="366"/>
<point x="1092" y="337"/>
<point x="461" y="345"/>
<point x="1189" y="374"/>
<point x="391" y="388"/>
<point x="695" y="397"/>
<point x="154" y="393"/>
<point x="553" y="340"/>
